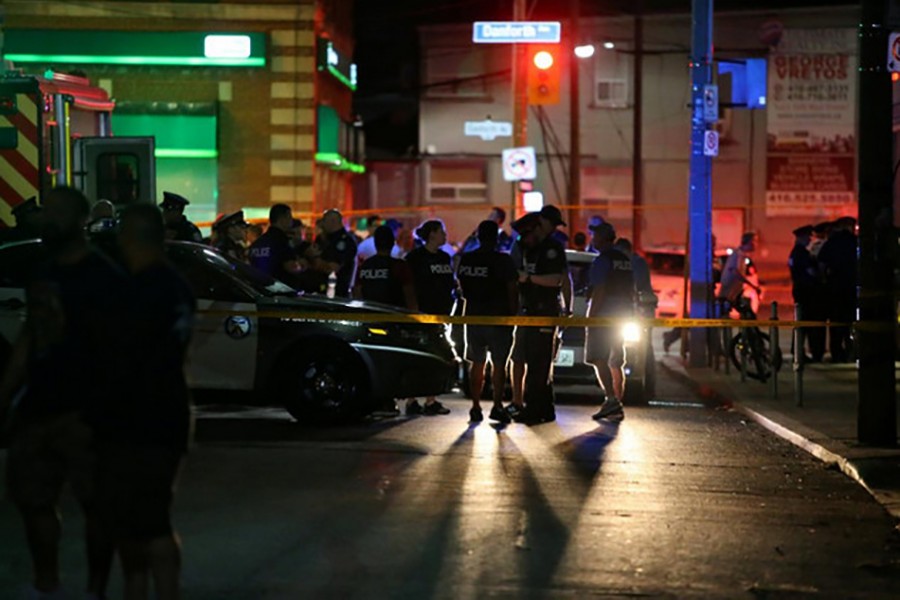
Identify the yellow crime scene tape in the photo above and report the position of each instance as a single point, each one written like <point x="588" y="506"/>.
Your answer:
<point x="519" y="321"/>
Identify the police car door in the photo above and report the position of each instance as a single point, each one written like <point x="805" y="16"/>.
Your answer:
<point x="223" y="348"/>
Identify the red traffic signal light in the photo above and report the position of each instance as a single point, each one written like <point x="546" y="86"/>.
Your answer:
<point x="543" y="75"/>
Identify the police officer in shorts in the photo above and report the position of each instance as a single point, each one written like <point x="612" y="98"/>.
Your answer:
<point x="612" y="296"/>
<point x="488" y="279"/>
<point x="542" y="273"/>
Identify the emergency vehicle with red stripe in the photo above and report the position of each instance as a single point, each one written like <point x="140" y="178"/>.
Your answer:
<point x="56" y="129"/>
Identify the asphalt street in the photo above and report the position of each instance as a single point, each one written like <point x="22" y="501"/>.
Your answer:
<point x="680" y="500"/>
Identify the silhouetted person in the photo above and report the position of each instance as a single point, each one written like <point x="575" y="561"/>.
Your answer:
<point x="143" y="435"/>
<point x="27" y="215"/>
<point x="64" y="367"/>
<point x="837" y="262"/>
<point x="231" y="236"/>
<point x="804" y="287"/>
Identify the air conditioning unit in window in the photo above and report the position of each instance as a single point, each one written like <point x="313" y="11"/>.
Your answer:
<point x="611" y="93"/>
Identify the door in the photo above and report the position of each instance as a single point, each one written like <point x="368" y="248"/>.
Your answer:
<point x="224" y="345"/>
<point x="119" y="169"/>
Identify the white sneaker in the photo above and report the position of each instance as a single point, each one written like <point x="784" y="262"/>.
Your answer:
<point x="611" y="410"/>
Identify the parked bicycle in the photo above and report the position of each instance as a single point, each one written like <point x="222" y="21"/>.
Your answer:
<point x="755" y="343"/>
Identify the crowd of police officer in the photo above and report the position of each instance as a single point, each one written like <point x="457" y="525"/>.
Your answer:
<point x="492" y="275"/>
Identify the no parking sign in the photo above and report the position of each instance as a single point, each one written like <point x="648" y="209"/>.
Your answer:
<point x="711" y="143"/>
<point x="519" y="164"/>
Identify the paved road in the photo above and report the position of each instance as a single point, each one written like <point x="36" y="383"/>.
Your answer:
<point x="680" y="500"/>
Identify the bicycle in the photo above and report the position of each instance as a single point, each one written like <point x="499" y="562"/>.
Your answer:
<point x="753" y="342"/>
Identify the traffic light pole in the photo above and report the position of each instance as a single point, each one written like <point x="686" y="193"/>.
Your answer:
<point x="574" y="116"/>
<point x="877" y="407"/>
<point x="699" y="197"/>
<point x="520" y="100"/>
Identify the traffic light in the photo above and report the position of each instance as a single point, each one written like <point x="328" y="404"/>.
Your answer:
<point x="544" y="70"/>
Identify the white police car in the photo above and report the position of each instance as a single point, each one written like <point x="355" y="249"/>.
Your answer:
<point x="261" y="340"/>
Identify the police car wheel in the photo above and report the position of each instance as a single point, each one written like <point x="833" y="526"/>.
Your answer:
<point x="325" y="386"/>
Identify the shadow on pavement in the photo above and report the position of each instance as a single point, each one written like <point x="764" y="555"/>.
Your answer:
<point x="251" y="428"/>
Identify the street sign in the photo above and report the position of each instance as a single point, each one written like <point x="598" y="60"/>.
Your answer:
<point x="711" y="143"/>
<point x="519" y="163"/>
<point x="710" y="103"/>
<point x="516" y="32"/>
<point x="488" y="130"/>
<point x="893" y="59"/>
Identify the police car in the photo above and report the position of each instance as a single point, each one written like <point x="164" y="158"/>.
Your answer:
<point x="570" y="367"/>
<point x="255" y="334"/>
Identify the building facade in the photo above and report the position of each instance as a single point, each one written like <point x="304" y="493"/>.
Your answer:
<point x="250" y="102"/>
<point x="758" y="184"/>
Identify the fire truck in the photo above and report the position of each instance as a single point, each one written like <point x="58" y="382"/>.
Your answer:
<point x="55" y="129"/>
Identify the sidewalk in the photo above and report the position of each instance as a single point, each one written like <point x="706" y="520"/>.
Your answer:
<point x="825" y="426"/>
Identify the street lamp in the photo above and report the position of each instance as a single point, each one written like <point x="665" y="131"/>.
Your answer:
<point x="609" y="45"/>
<point x="584" y="51"/>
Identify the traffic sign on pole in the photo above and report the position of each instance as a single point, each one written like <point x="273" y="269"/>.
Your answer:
<point x="711" y="143"/>
<point x="488" y="130"/>
<point x="710" y="103"/>
<point x="519" y="163"/>
<point x="517" y="32"/>
<point x="893" y="59"/>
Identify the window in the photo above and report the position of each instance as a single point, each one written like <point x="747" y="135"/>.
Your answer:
<point x="611" y="93"/>
<point x="457" y="182"/>
<point x="203" y="274"/>
<point x="118" y="178"/>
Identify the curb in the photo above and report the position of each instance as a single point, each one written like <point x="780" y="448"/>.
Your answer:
<point x="889" y="500"/>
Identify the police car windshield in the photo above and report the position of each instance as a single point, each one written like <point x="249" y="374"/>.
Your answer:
<point x="258" y="281"/>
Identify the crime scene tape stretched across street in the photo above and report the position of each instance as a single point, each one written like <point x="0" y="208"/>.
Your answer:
<point x="521" y="321"/>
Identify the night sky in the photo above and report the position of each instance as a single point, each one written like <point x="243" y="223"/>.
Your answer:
<point x="387" y="51"/>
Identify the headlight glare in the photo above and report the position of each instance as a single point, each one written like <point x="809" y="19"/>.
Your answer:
<point x="631" y="332"/>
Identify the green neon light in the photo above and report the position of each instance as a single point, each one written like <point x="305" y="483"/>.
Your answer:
<point x="86" y="59"/>
<point x="333" y="70"/>
<point x="178" y="153"/>
<point x="338" y="162"/>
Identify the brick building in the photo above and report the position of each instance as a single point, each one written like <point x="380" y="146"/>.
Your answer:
<point x="250" y="102"/>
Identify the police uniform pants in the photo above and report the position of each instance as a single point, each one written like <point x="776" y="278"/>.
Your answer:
<point x="812" y="309"/>
<point x="536" y="347"/>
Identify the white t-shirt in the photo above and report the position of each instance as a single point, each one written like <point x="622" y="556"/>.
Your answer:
<point x="366" y="250"/>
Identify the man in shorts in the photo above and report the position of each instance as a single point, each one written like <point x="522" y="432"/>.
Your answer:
<point x="63" y="368"/>
<point x="612" y="296"/>
<point x="488" y="279"/>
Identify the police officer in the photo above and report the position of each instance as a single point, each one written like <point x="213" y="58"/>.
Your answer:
<point x="178" y="227"/>
<point x="272" y="252"/>
<point x="837" y="262"/>
<point x="543" y="272"/>
<point x="231" y="236"/>
<point x="804" y="281"/>
<point x="383" y="278"/>
<point x="612" y="296"/>
<point x="27" y="215"/>
<point x="504" y="240"/>
<point x="488" y="279"/>
<point x="338" y="250"/>
<point x="435" y="287"/>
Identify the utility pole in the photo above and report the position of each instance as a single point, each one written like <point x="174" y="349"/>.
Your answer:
<point x="520" y="100"/>
<point x="637" y="165"/>
<point x="699" y="197"/>
<point x="574" y="115"/>
<point x="877" y="407"/>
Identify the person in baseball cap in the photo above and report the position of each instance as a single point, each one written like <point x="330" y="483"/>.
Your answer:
<point x="27" y="215"/>
<point x="178" y="227"/>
